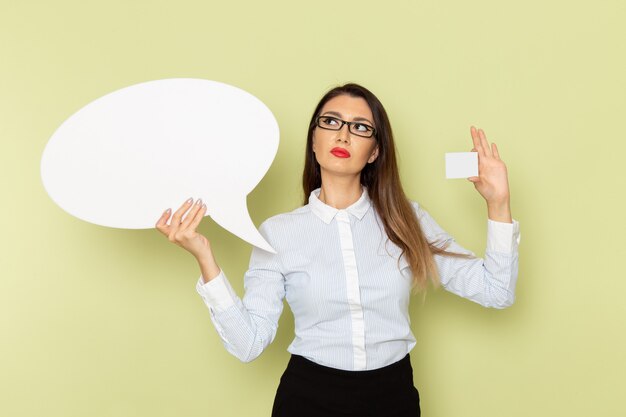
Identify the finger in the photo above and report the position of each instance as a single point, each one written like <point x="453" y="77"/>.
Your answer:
<point x="484" y="143"/>
<point x="198" y="218"/>
<point x="191" y="215"/>
<point x="475" y="137"/>
<point x="179" y="213"/>
<point x="161" y="224"/>
<point x="473" y="179"/>
<point x="480" y="148"/>
<point x="494" y="149"/>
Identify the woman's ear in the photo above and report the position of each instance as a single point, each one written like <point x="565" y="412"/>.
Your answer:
<point x="374" y="155"/>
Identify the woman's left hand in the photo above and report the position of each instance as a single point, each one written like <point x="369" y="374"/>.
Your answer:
<point x="492" y="181"/>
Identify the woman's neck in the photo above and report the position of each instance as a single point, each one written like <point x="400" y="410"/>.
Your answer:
<point x="340" y="192"/>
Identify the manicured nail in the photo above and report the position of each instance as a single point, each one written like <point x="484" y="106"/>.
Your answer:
<point x="189" y="201"/>
<point x="199" y="202"/>
<point x="168" y="210"/>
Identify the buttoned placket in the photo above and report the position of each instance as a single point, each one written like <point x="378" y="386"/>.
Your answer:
<point x="352" y="289"/>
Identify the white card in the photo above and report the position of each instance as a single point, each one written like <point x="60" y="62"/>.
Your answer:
<point x="461" y="164"/>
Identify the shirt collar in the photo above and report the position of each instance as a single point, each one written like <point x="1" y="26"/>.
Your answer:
<point x="327" y="213"/>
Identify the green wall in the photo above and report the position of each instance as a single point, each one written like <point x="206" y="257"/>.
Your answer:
<point x="103" y="322"/>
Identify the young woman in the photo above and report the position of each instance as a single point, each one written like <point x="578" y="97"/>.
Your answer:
<point x="346" y="262"/>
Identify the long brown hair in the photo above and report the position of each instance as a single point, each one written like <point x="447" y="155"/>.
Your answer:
<point x="382" y="180"/>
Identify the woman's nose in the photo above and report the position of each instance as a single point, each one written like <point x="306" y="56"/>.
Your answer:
<point x="342" y="134"/>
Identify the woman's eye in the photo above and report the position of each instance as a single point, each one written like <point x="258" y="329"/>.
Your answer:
<point x="362" y="128"/>
<point x="329" y="121"/>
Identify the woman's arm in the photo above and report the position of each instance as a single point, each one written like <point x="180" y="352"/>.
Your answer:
<point x="488" y="281"/>
<point x="246" y="326"/>
<point x="208" y="267"/>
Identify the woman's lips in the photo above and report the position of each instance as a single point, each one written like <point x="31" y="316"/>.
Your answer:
<point x="340" y="152"/>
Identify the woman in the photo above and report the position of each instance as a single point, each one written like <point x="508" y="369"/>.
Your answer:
<point x="346" y="263"/>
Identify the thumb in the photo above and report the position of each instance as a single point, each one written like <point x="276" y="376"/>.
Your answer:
<point x="473" y="179"/>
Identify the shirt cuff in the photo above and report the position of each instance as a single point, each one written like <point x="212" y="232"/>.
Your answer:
<point x="502" y="237"/>
<point x="217" y="293"/>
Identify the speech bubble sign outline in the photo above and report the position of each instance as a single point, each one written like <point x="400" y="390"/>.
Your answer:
<point x="123" y="158"/>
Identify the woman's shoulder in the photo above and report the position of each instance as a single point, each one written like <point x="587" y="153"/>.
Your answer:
<point x="282" y="229"/>
<point x="428" y="224"/>
<point x="290" y="219"/>
<point x="416" y="208"/>
<point x="422" y="214"/>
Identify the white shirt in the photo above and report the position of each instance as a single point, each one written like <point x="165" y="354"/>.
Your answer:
<point x="341" y="280"/>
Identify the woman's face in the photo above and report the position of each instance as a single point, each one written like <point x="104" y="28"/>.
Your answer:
<point x="354" y="151"/>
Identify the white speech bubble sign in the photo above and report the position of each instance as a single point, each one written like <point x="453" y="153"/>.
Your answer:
<point x="124" y="158"/>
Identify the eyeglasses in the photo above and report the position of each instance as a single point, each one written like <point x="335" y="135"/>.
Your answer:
<point x="357" y="128"/>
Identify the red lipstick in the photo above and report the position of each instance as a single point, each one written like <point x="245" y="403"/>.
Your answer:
<point x="340" y="152"/>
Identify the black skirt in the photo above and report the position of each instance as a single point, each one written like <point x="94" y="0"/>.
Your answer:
<point x="309" y="389"/>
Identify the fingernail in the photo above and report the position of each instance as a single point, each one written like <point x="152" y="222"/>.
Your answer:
<point x="199" y="202"/>
<point x="168" y="210"/>
<point x="189" y="201"/>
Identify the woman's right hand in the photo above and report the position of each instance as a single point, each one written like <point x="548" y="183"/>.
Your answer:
<point x="184" y="233"/>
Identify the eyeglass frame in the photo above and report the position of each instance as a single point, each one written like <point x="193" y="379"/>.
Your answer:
<point x="344" y="122"/>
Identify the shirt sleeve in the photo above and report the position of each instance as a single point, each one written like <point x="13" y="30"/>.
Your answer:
<point x="488" y="281"/>
<point x="247" y="326"/>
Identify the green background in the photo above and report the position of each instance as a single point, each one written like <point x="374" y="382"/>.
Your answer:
<point x="104" y="322"/>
